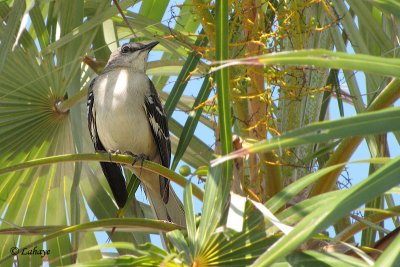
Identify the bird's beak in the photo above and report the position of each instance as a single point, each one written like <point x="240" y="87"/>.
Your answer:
<point x="150" y="45"/>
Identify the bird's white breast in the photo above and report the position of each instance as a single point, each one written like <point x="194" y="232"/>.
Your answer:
<point x="120" y="117"/>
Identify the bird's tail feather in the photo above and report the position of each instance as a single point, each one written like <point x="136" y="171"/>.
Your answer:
<point x="171" y="211"/>
<point x="113" y="173"/>
<point x="175" y="208"/>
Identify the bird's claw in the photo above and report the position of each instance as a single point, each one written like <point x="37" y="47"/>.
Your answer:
<point x="110" y="152"/>
<point x="136" y="157"/>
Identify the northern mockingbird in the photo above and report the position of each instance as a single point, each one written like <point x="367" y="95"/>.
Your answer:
<point x="125" y="114"/>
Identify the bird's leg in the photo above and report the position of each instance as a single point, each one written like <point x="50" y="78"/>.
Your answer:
<point x="110" y="152"/>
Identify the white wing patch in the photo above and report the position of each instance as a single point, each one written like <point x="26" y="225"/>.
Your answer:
<point x="91" y="114"/>
<point x="153" y="122"/>
<point x="159" y="111"/>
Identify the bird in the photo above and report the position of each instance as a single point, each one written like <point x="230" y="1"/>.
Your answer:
<point x="125" y="114"/>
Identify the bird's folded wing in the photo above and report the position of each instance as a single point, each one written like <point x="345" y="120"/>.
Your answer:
<point x="159" y="127"/>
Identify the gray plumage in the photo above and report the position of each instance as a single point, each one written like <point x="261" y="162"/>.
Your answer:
<point x="126" y="114"/>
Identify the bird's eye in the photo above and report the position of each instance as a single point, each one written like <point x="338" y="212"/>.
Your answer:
<point x="125" y="49"/>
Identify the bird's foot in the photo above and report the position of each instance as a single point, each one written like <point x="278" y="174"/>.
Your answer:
<point x="137" y="157"/>
<point x="110" y="152"/>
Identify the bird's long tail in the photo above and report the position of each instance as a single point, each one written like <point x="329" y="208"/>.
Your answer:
<point x="171" y="211"/>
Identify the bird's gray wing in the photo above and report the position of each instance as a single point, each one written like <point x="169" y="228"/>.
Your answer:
<point x="112" y="171"/>
<point x="159" y="128"/>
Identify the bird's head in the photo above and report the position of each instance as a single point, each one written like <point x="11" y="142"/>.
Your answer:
<point x="131" y="55"/>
